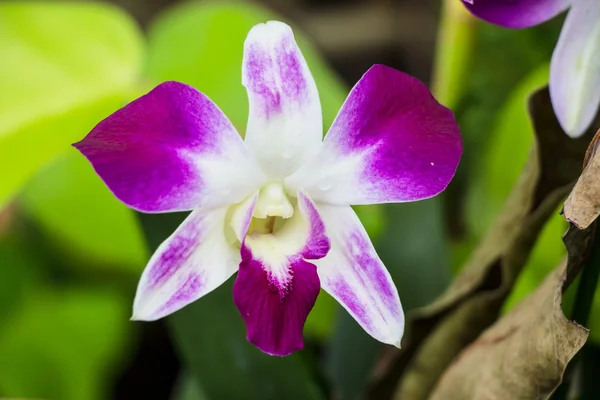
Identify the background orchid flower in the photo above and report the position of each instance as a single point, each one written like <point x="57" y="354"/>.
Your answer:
<point x="575" y="66"/>
<point x="275" y="207"/>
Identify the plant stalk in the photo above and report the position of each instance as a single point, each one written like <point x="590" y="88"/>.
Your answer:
<point x="453" y="54"/>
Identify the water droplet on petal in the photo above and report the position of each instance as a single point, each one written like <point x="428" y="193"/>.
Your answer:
<point x="324" y="185"/>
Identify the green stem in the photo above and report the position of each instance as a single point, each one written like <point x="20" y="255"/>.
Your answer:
<point x="584" y="300"/>
<point x="454" y="53"/>
<point x="454" y="49"/>
<point x="588" y="283"/>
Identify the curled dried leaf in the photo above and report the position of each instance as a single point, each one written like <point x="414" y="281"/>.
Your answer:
<point x="522" y="356"/>
<point x="583" y="204"/>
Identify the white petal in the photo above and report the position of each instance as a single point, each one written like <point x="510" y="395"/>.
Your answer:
<point x="285" y="122"/>
<point x="575" y="68"/>
<point x="192" y="262"/>
<point x="391" y="142"/>
<point x="355" y="276"/>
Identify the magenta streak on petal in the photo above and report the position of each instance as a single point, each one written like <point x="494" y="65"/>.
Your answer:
<point x="179" y="251"/>
<point x="181" y="247"/>
<point x="145" y="151"/>
<point x="274" y="76"/>
<point x="347" y="297"/>
<point x="369" y="272"/>
<point x="186" y="293"/>
<point x="275" y="311"/>
<point x="410" y="143"/>
<point x="317" y="245"/>
<point x="516" y="13"/>
<point x="368" y="266"/>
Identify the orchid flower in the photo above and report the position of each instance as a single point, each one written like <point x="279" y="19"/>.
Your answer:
<point x="275" y="207"/>
<point x="575" y="65"/>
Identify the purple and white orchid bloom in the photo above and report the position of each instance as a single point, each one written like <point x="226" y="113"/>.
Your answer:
<point x="275" y="206"/>
<point x="575" y="65"/>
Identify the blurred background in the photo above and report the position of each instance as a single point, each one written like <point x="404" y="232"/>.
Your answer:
<point x="71" y="255"/>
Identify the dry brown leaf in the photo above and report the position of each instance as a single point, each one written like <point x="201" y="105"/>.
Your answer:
<point x="583" y="205"/>
<point x="522" y="356"/>
<point x="439" y="332"/>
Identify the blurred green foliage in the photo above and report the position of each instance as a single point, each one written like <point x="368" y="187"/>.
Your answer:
<point x="84" y="221"/>
<point x="65" y="66"/>
<point x="58" y="338"/>
<point x="63" y="344"/>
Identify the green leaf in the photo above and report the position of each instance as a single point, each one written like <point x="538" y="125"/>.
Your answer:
<point x="61" y="345"/>
<point x="64" y="67"/>
<point x="414" y="248"/>
<point x="82" y="218"/>
<point x="187" y="388"/>
<point x="202" y="44"/>
<point x="20" y="276"/>
<point x="501" y="59"/>
<point x="211" y="338"/>
<point x="548" y="251"/>
<point x="504" y="156"/>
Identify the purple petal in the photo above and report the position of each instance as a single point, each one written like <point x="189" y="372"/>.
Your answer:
<point x="171" y="150"/>
<point x="575" y="68"/>
<point x="317" y="243"/>
<point x="391" y="142"/>
<point x="285" y="121"/>
<point x="276" y="287"/>
<point x="275" y="309"/>
<point x="517" y="13"/>
<point x="355" y="276"/>
<point x="193" y="261"/>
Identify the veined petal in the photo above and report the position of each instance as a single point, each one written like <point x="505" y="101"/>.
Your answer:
<point x="355" y="276"/>
<point x="285" y="121"/>
<point x="391" y="142"/>
<point x="192" y="262"/>
<point x="171" y="150"/>
<point x="276" y="287"/>
<point x="575" y="68"/>
<point x="517" y="13"/>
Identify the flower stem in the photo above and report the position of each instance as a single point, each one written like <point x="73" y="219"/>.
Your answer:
<point x="588" y="283"/>
<point x="584" y="300"/>
<point x="455" y="42"/>
<point x="454" y="53"/>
